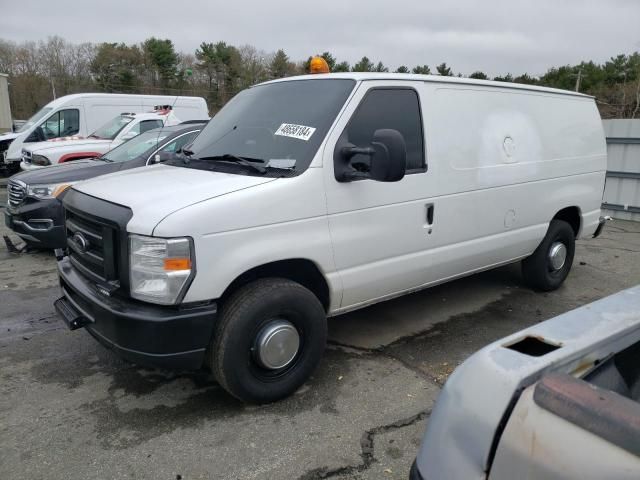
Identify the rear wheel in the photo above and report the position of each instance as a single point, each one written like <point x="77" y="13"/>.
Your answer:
<point x="269" y="339"/>
<point x="549" y="265"/>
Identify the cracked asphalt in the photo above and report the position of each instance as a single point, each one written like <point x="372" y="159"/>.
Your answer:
<point x="70" y="409"/>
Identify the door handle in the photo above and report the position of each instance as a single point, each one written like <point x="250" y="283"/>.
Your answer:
<point x="429" y="224"/>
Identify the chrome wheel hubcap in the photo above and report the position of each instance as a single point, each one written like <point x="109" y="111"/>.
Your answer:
<point x="277" y="344"/>
<point x="557" y="255"/>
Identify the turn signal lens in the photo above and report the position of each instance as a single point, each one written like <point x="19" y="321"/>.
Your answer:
<point x="160" y="268"/>
<point x="318" y="65"/>
<point x="59" y="189"/>
<point x="173" y="264"/>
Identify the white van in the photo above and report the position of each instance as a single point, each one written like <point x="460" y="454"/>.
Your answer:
<point x="311" y="196"/>
<point x="82" y="113"/>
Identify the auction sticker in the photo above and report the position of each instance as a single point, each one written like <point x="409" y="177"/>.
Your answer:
<point x="295" y="131"/>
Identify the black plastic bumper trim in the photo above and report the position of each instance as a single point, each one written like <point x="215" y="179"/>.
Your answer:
<point x="601" y="224"/>
<point x="414" y="473"/>
<point x="166" y="336"/>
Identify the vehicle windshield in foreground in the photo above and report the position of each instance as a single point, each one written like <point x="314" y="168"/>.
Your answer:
<point x="35" y="118"/>
<point x="281" y="123"/>
<point x="135" y="147"/>
<point x="112" y="128"/>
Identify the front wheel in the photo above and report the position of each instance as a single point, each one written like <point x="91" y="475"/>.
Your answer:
<point x="269" y="339"/>
<point x="548" y="266"/>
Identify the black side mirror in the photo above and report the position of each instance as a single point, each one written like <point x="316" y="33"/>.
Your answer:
<point x="387" y="159"/>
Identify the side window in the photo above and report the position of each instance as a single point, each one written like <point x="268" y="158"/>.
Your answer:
<point x="62" y="124"/>
<point x="179" y="142"/>
<point x="51" y="127"/>
<point x="395" y="108"/>
<point x="144" y="126"/>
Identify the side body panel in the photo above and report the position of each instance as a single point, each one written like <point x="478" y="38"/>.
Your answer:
<point x="278" y="220"/>
<point x="501" y="164"/>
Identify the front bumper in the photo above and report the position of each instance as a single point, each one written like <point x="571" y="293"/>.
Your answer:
<point x="159" y="336"/>
<point x="414" y="473"/>
<point x="25" y="166"/>
<point x="40" y="222"/>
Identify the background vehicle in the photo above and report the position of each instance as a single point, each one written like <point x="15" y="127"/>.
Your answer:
<point x="285" y="214"/>
<point x="34" y="211"/>
<point x="82" y="113"/>
<point x="559" y="400"/>
<point x="117" y="130"/>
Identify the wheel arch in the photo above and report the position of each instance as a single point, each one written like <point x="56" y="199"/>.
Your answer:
<point x="300" y="270"/>
<point x="573" y="216"/>
<point x="78" y="156"/>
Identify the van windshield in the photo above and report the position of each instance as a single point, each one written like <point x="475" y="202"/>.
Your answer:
<point x="34" y="119"/>
<point x="112" y="128"/>
<point x="278" y="125"/>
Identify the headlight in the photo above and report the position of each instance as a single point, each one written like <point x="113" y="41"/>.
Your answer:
<point x="160" y="268"/>
<point x="40" y="160"/>
<point x="47" y="191"/>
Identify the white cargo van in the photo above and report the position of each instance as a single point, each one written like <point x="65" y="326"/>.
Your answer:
<point x="81" y="114"/>
<point x="311" y="196"/>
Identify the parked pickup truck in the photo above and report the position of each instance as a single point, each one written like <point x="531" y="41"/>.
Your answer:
<point x="116" y="131"/>
<point x="559" y="400"/>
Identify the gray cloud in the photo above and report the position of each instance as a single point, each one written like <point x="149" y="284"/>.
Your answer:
<point x="497" y="36"/>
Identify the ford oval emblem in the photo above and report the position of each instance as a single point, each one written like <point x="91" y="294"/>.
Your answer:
<point x="81" y="242"/>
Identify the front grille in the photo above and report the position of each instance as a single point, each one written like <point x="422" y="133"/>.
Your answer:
<point x="91" y="246"/>
<point x="16" y="192"/>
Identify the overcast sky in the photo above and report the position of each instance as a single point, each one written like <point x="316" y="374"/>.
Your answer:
<point x="497" y="36"/>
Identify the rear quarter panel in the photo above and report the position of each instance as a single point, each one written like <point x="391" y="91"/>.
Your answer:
<point x="508" y="160"/>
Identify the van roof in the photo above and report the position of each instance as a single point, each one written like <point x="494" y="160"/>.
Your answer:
<point x="363" y="76"/>
<point x="75" y="96"/>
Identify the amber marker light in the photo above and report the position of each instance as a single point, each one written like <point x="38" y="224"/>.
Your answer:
<point x="318" y="65"/>
<point x="59" y="189"/>
<point x="174" y="264"/>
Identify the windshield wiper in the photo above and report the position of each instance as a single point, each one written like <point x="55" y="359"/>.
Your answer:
<point x="244" y="161"/>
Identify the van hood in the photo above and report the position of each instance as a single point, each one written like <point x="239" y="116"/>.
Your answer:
<point x="43" y="147"/>
<point x="8" y="136"/>
<point x="154" y="192"/>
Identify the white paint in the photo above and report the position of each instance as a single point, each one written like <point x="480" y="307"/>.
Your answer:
<point x="98" y="108"/>
<point x="56" y="149"/>
<point x="370" y="239"/>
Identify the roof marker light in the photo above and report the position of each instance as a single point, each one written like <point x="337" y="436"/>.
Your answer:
<point x="318" y="65"/>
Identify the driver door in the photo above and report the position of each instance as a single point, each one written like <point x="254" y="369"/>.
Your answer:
<point x="63" y="123"/>
<point x="380" y="230"/>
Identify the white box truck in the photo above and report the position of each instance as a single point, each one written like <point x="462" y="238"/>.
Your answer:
<point x="82" y="113"/>
<point x="311" y="196"/>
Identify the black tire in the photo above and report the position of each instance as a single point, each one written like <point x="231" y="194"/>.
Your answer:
<point x="537" y="269"/>
<point x="232" y="355"/>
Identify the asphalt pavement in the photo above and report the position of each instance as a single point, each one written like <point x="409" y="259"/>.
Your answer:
<point x="70" y="409"/>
